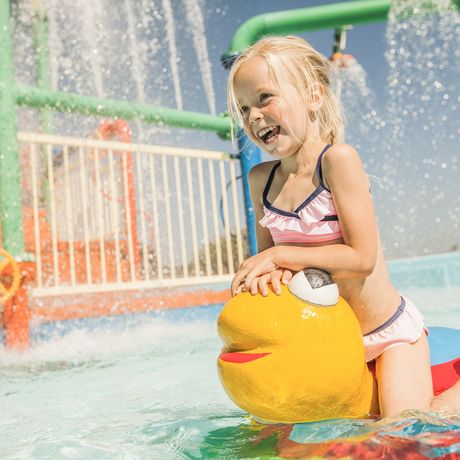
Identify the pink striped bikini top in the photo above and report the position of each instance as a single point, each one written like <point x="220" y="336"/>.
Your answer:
<point x="314" y="221"/>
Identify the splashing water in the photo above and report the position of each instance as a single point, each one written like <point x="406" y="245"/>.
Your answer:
<point x="423" y="84"/>
<point x="410" y="142"/>
<point x="362" y="108"/>
<point x="132" y="53"/>
<point x="90" y="28"/>
<point x="173" y="59"/>
<point x="194" y="12"/>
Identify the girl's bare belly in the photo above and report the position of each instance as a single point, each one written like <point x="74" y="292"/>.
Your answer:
<point x="373" y="299"/>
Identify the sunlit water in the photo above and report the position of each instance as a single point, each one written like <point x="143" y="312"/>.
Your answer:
<point x="147" y="388"/>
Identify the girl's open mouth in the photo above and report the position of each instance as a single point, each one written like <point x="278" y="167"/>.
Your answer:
<point x="238" y="357"/>
<point x="269" y="135"/>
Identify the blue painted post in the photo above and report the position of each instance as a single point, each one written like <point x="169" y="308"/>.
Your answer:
<point x="249" y="156"/>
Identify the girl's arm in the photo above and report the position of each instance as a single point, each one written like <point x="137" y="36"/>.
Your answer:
<point x="257" y="180"/>
<point x="355" y="258"/>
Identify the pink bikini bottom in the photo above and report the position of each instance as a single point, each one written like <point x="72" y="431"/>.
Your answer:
<point x="404" y="327"/>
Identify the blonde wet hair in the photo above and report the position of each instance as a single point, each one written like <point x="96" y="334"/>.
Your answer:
<point x="293" y="58"/>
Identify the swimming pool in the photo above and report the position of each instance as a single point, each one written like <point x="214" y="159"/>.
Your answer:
<point x="433" y="283"/>
<point x="146" y="387"/>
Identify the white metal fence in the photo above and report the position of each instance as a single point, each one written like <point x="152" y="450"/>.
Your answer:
<point x="103" y="215"/>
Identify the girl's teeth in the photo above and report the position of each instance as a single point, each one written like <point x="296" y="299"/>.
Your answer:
<point x="264" y="131"/>
<point x="269" y="135"/>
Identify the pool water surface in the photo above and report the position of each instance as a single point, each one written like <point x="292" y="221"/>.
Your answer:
<point x="146" y="387"/>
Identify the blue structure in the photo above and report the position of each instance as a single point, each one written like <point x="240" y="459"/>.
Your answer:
<point x="249" y="155"/>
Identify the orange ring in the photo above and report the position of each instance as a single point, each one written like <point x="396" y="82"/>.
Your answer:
<point x="8" y="266"/>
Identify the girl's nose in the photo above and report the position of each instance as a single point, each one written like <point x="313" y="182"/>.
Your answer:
<point x="254" y="114"/>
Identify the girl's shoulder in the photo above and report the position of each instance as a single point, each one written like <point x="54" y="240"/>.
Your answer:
<point x="263" y="167"/>
<point x="340" y="161"/>
<point x="259" y="175"/>
<point x="340" y="153"/>
<point x="261" y="171"/>
<point x="340" y="156"/>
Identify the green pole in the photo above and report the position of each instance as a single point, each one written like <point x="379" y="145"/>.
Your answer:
<point x="10" y="184"/>
<point x="309" y="19"/>
<point x="89" y="105"/>
<point x="43" y="74"/>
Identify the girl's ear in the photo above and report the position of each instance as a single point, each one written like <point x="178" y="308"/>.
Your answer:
<point x="315" y="98"/>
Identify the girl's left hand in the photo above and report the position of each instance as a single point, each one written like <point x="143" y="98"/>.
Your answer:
<point x="257" y="265"/>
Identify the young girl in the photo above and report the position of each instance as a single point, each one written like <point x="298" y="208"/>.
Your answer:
<point x="315" y="210"/>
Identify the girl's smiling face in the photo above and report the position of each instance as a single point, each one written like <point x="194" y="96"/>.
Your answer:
<point x="274" y="115"/>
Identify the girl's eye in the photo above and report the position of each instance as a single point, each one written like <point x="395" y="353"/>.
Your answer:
<point x="264" y="96"/>
<point x="244" y="110"/>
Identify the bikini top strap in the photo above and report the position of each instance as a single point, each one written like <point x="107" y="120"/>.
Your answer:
<point x="319" y="169"/>
<point x="269" y="183"/>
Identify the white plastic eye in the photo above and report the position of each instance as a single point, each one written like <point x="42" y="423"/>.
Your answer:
<point x="314" y="286"/>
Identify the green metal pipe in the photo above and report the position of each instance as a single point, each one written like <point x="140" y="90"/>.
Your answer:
<point x="10" y="182"/>
<point x="309" y="19"/>
<point x="88" y="105"/>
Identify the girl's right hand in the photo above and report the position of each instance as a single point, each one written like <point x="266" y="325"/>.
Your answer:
<point x="275" y="278"/>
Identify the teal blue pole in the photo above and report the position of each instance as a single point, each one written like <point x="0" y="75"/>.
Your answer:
<point x="249" y="155"/>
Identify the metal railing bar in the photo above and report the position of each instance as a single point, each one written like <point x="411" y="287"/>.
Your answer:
<point x="128" y="216"/>
<point x="53" y="214"/>
<point x="143" y="215"/>
<point x="110" y="287"/>
<point x="226" y="217"/>
<point x="168" y="216"/>
<point x="191" y="197"/>
<point x="36" y="215"/>
<point x="214" y="218"/>
<point x="84" y="191"/>
<point x="204" y="219"/>
<point x="68" y="213"/>
<point x="155" y="218"/>
<point x="115" y="214"/>
<point x="121" y="146"/>
<point x="100" y="216"/>
<point x="180" y="215"/>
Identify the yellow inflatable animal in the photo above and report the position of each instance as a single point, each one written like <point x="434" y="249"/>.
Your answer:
<point x="296" y="357"/>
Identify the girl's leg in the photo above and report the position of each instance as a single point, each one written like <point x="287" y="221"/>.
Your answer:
<point x="404" y="378"/>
